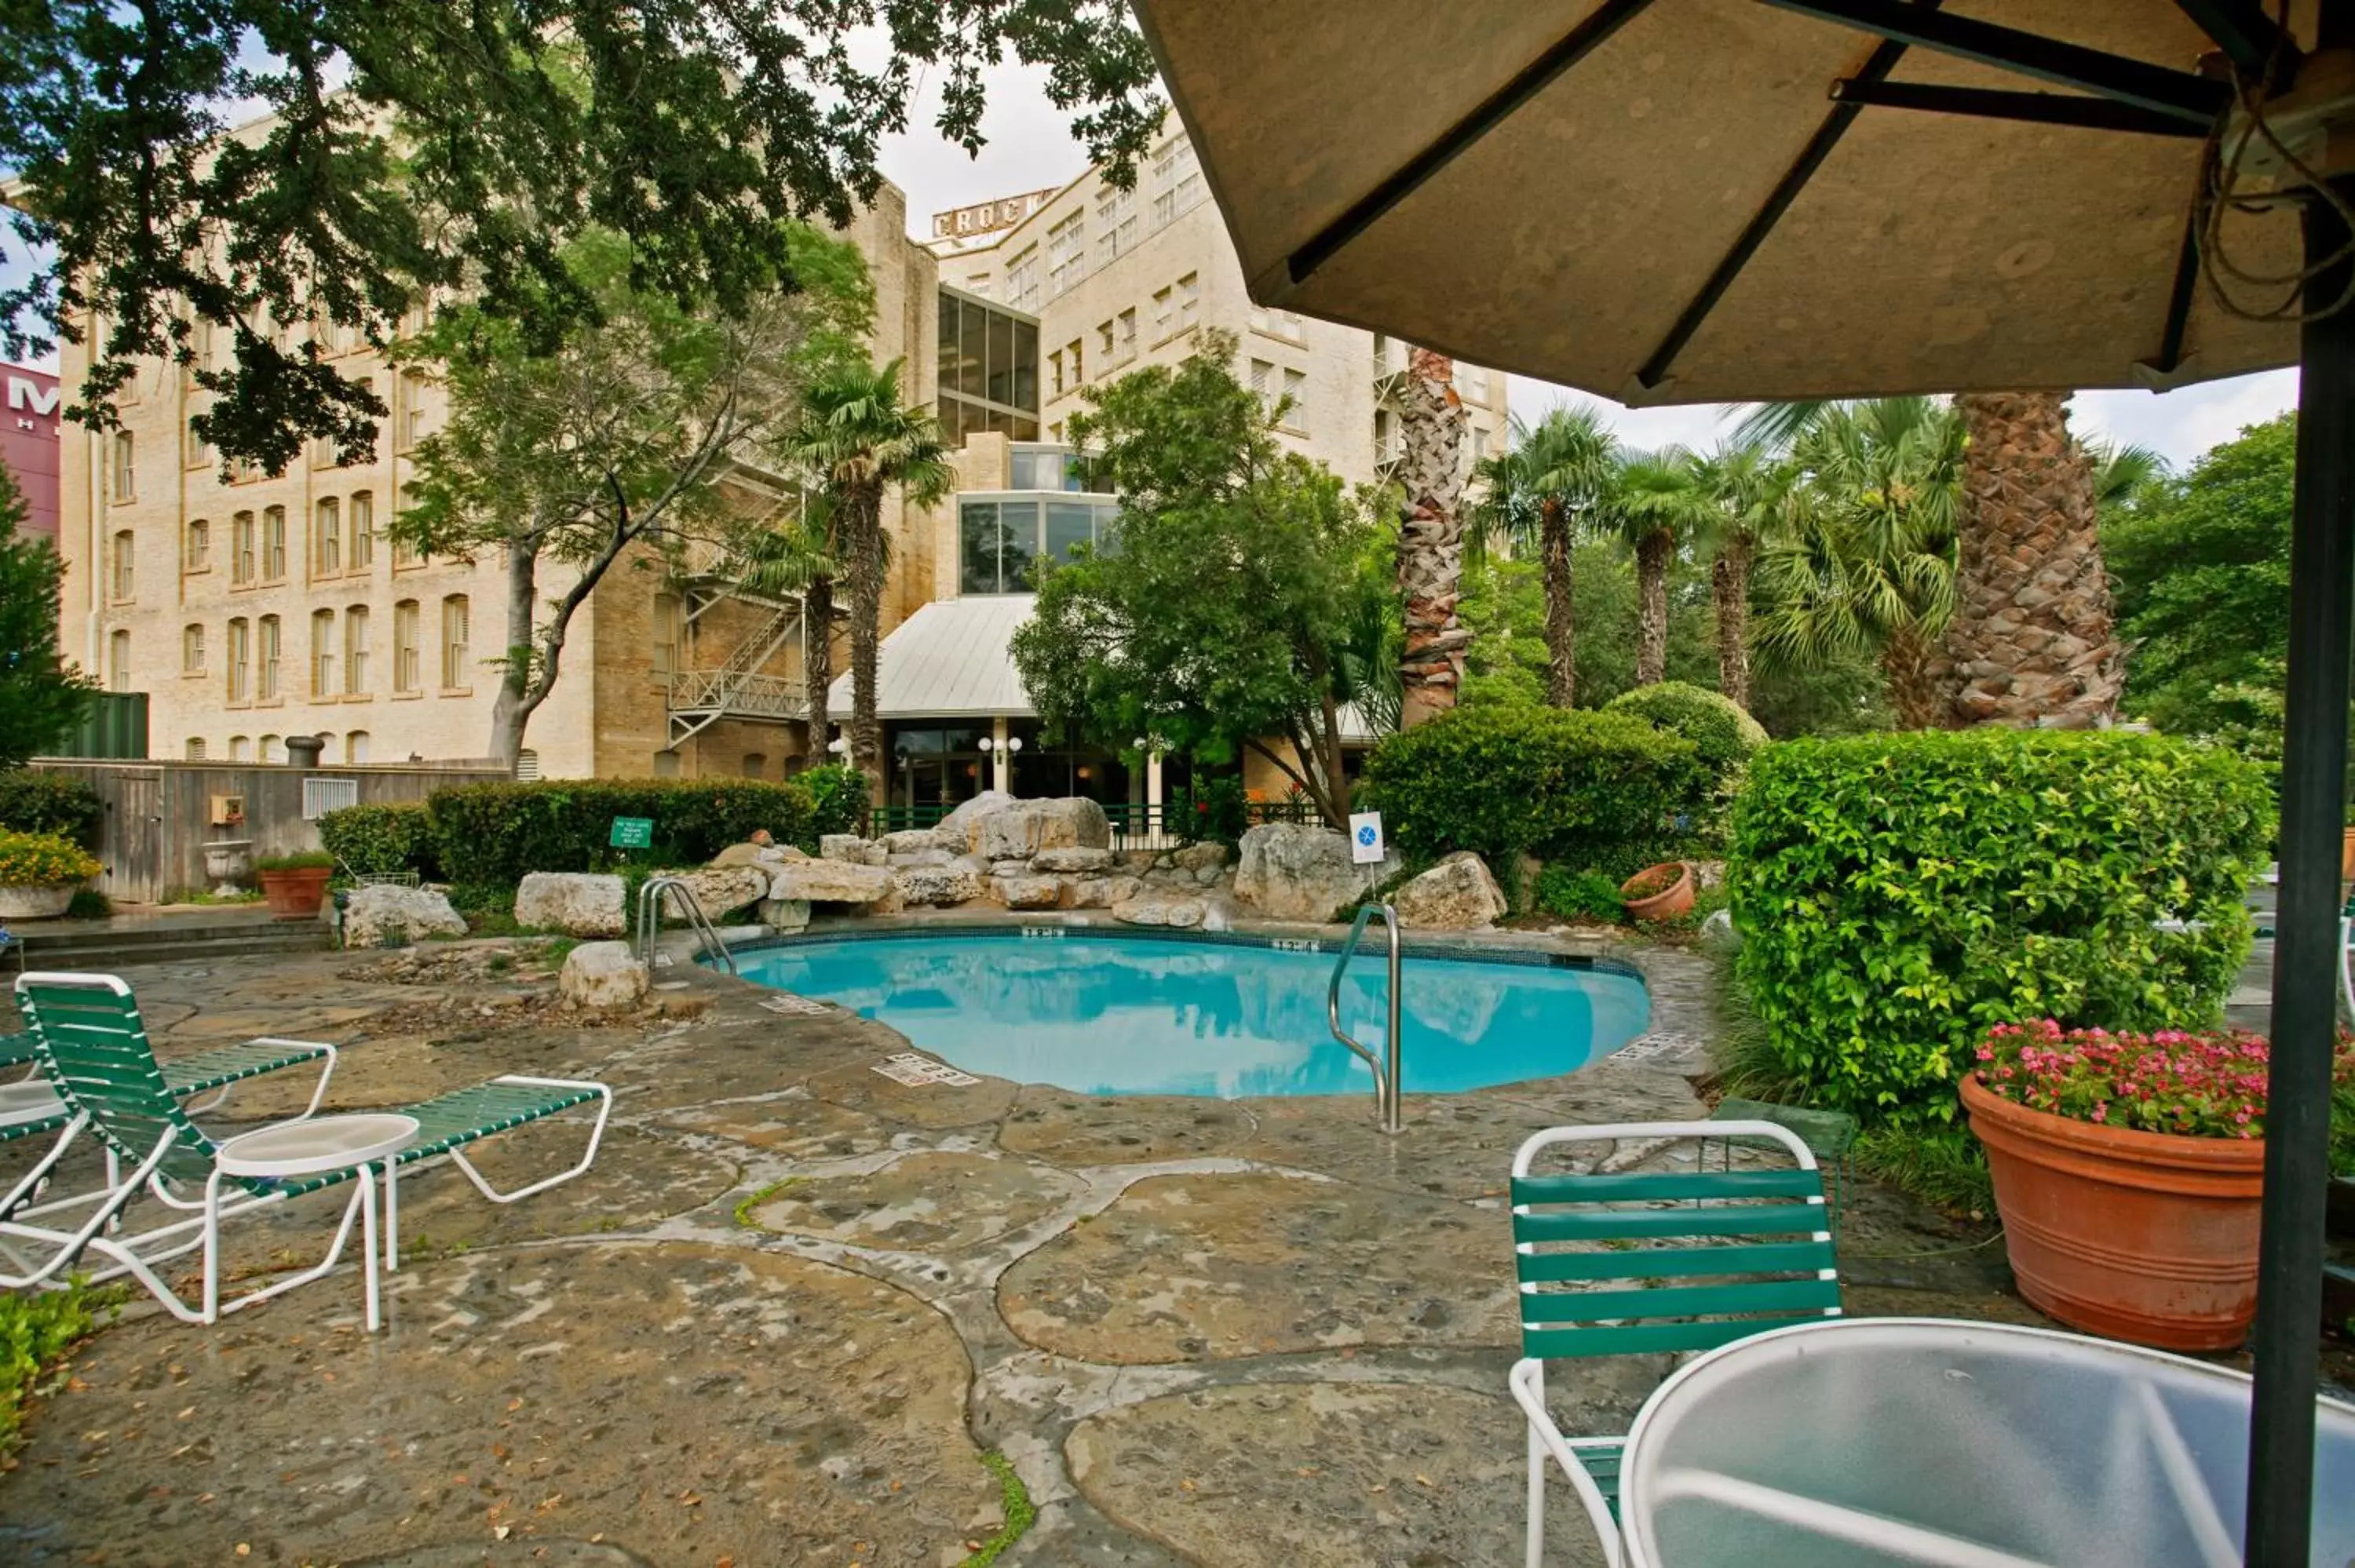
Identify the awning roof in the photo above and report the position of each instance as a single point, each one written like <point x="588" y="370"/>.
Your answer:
<point x="949" y="659"/>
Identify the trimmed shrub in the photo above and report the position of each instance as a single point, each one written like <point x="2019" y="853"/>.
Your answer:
<point x="837" y="800"/>
<point x="1594" y="789"/>
<point x="1579" y="896"/>
<point x="376" y="839"/>
<point x="496" y="833"/>
<point x="38" y="803"/>
<point x="43" y="860"/>
<point x="1899" y="893"/>
<point x="1719" y="730"/>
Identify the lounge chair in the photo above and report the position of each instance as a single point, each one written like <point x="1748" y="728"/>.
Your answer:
<point x="93" y="1049"/>
<point x="1648" y="1261"/>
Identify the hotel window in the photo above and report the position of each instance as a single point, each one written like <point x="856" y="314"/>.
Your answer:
<point x="404" y="550"/>
<point x="1295" y="397"/>
<point x="1103" y="345"/>
<point x="1189" y="295"/>
<point x="356" y="746"/>
<point x="1160" y="313"/>
<point x="1067" y="255"/>
<point x="1022" y="281"/>
<point x="240" y="660"/>
<point x="123" y="557"/>
<point x="1055" y="372"/>
<point x="355" y="649"/>
<point x="1479" y="445"/>
<point x="1263" y="374"/>
<point x="197" y="545"/>
<point x="1116" y="225"/>
<point x="126" y="472"/>
<point x="411" y="412"/>
<point x="1071" y="350"/>
<point x="118" y="660"/>
<point x="192" y="650"/>
<point x="363" y="534"/>
<point x="273" y="544"/>
<point x="241" y="545"/>
<point x="527" y="765"/>
<point x="270" y="751"/>
<point x="670" y="630"/>
<point x="239" y="747"/>
<point x="323" y="653"/>
<point x="404" y="646"/>
<point x="327" y="539"/>
<point x="196" y="748"/>
<point x="665" y="764"/>
<point x="266" y="658"/>
<point x="456" y="660"/>
<point x="197" y="452"/>
<point x="754" y="765"/>
<point x="1177" y="181"/>
<point x="1127" y="334"/>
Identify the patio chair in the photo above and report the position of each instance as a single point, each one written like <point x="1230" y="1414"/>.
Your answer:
<point x="1646" y="1261"/>
<point x="87" y="1029"/>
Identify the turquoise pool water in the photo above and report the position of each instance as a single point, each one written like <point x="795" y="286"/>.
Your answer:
<point x="1129" y="1015"/>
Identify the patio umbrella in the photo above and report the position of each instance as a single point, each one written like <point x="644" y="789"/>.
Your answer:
<point x="1719" y="200"/>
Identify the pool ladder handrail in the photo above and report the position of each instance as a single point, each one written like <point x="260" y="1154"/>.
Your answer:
<point x="683" y="898"/>
<point x="1387" y="1080"/>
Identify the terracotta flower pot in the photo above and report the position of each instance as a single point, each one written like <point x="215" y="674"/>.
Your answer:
<point x="2145" y="1236"/>
<point x="296" y="895"/>
<point x="1659" y="892"/>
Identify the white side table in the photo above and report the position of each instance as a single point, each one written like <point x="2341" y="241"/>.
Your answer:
<point x="314" y="1145"/>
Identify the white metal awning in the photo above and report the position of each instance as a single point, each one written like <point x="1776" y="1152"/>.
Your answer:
<point x="949" y="659"/>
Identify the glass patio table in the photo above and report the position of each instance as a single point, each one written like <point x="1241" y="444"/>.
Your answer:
<point x="1868" y="1443"/>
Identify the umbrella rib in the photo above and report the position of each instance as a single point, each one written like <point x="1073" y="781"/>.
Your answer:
<point x="1491" y="113"/>
<point x="2179" y="299"/>
<point x="2247" y="36"/>
<point x="2174" y="92"/>
<point x="1876" y="69"/>
<point x="2035" y="108"/>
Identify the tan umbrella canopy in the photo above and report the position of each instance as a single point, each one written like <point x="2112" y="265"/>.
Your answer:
<point x="1720" y="201"/>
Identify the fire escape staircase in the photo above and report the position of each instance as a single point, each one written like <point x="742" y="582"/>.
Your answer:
<point x="737" y="689"/>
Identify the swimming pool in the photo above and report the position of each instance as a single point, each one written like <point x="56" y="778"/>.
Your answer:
<point x="1116" y="1014"/>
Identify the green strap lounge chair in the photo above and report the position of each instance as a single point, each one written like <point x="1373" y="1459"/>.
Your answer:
<point x="1650" y="1261"/>
<point x="93" y="1049"/>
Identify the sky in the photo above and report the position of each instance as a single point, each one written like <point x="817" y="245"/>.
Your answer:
<point x="1030" y="149"/>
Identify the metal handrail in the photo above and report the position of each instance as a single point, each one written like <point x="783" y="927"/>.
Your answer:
<point x="1387" y="1082"/>
<point x="650" y="919"/>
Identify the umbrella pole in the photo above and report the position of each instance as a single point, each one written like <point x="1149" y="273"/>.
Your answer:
<point x="2305" y="955"/>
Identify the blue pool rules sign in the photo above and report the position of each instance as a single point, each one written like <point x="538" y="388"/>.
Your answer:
<point x="1365" y="845"/>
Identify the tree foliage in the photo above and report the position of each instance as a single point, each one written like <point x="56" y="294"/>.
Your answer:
<point x="418" y="145"/>
<point x="41" y="697"/>
<point x="1233" y="611"/>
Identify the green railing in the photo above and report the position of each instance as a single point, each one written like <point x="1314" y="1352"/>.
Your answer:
<point x="1134" y="825"/>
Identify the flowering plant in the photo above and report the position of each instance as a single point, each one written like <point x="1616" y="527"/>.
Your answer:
<point x="2199" y="1085"/>
<point x="42" y="860"/>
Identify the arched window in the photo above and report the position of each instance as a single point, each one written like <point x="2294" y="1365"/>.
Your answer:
<point x="527" y="764"/>
<point x="126" y="474"/>
<point x="363" y="531"/>
<point x="457" y="659"/>
<point x="118" y="660"/>
<point x="196" y="748"/>
<point x="405" y="676"/>
<point x="356" y="746"/>
<point x="355" y="649"/>
<point x="273" y="544"/>
<point x="669" y="632"/>
<point x="124" y="555"/>
<point x="323" y="653"/>
<point x="196" y="549"/>
<point x="268" y="658"/>
<point x="270" y="750"/>
<point x="240" y="660"/>
<point x="327" y="539"/>
<point x="243" y="559"/>
<point x="240" y="749"/>
<point x="192" y="649"/>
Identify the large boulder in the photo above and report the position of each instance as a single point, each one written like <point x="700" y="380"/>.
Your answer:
<point x="850" y="847"/>
<point x="1207" y="855"/>
<point x="785" y="914"/>
<point x="603" y="975"/>
<point x="1073" y="858"/>
<point x="737" y="855"/>
<point x="577" y="903"/>
<point x="380" y="916"/>
<point x="1029" y="892"/>
<point x="935" y="885"/>
<point x="1022" y="830"/>
<point x="828" y="882"/>
<point x="1172" y="912"/>
<point x="721" y="889"/>
<point x="956" y="828"/>
<point x="1292" y="871"/>
<point x="923" y="841"/>
<point x="1456" y="894"/>
<point x="1098" y="891"/>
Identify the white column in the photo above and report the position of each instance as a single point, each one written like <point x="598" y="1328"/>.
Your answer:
<point x="1153" y="815"/>
<point x="1000" y="759"/>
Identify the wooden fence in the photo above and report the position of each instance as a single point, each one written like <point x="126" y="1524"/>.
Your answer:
<point x="161" y="815"/>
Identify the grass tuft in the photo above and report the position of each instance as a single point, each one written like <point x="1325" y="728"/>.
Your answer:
<point x="36" y="1332"/>
<point x="1943" y="1167"/>
<point x="744" y="1208"/>
<point x="1021" y="1513"/>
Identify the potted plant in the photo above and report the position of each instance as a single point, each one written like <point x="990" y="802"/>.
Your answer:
<point x="1659" y="892"/>
<point x="40" y="874"/>
<point x="2127" y="1171"/>
<point x="297" y="885"/>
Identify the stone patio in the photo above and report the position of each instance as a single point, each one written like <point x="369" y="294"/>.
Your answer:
<point x="794" y="1303"/>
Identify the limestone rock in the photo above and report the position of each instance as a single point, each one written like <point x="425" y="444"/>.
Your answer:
<point x="921" y="841"/>
<point x="1208" y="875"/>
<point x="603" y="975"/>
<point x="1456" y="894"/>
<point x="829" y="882"/>
<point x="850" y="848"/>
<point x="779" y="854"/>
<point x="1174" y="912"/>
<point x="1022" y="830"/>
<point x="918" y="857"/>
<point x="957" y="824"/>
<point x="936" y="885"/>
<point x="736" y="855"/>
<point x="381" y="916"/>
<point x="1010" y="868"/>
<point x="1195" y="857"/>
<point x="1029" y="892"/>
<point x="1072" y="857"/>
<point x="720" y="890"/>
<point x="1098" y="891"/>
<point x="887" y="903"/>
<point x="1294" y="870"/>
<point x="785" y="914"/>
<point x="577" y="903"/>
<point x="1138" y="860"/>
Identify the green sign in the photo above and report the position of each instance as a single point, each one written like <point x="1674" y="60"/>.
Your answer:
<point x="633" y="833"/>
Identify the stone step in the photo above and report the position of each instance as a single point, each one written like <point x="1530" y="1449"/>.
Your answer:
<point x="104" y="945"/>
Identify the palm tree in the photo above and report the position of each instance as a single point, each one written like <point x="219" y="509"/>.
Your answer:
<point x="1659" y="503"/>
<point x="797" y="551"/>
<point x="1431" y="537"/>
<point x="1538" y="493"/>
<point x="857" y="440"/>
<point x="1863" y="557"/>
<point x="1747" y="488"/>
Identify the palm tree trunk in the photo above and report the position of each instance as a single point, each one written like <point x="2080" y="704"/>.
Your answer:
<point x="818" y="638"/>
<point x="1652" y="597"/>
<point x="1729" y="581"/>
<point x="1561" y="643"/>
<point x="865" y="575"/>
<point x="1430" y="539"/>
<point x="1916" y="698"/>
<point x="2033" y="641"/>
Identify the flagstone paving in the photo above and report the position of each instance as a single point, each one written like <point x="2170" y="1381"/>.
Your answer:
<point x="794" y="1303"/>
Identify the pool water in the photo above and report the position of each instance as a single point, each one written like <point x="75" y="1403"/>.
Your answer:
<point x="1130" y="1015"/>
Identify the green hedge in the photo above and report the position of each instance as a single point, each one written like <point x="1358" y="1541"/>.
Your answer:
<point x="36" y="802"/>
<point x="1594" y="789"/>
<point x="837" y="800"/>
<point x="1897" y="894"/>
<point x="383" y="837"/>
<point x="495" y="833"/>
<point x="1716" y="724"/>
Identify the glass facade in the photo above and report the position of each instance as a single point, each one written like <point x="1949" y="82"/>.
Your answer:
<point x="988" y="377"/>
<point x="1001" y="535"/>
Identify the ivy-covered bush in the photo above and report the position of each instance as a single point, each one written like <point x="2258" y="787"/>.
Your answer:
<point x="376" y="839"/>
<point x="496" y="833"/>
<point x="36" y="803"/>
<point x="1596" y="789"/>
<point x="1719" y="730"/>
<point x="837" y="800"/>
<point x="1899" y="893"/>
<point x="43" y="860"/>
